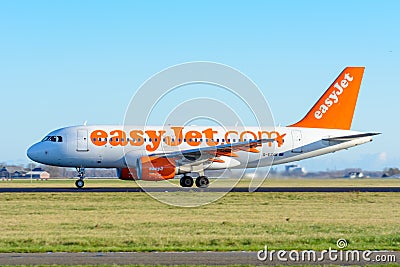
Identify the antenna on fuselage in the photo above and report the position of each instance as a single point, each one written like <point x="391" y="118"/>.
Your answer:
<point x="84" y="123"/>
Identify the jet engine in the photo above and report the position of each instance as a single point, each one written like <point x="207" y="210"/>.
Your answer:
<point x="127" y="174"/>
<point x="155" y="168"/>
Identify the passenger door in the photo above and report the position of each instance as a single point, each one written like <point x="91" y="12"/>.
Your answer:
<point x="297" y="144"/>
<point x="82" y="140"/>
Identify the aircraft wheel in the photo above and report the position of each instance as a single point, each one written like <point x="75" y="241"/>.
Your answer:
<point x="186" y="181"/>
<point x="202" y="181"/>
<point x="79" y="183"/>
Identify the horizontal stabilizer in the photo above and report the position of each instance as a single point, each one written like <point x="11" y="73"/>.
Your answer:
<point x="349" y="137"/>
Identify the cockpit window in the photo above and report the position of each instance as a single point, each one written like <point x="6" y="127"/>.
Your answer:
<point x="53" y="138"/>
<point x="46" y="139"/>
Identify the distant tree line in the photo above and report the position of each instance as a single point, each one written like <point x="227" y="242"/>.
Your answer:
<point x="59" y="172"/>
<point x="387" y="172"/>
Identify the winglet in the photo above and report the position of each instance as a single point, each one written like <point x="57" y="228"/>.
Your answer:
<point x="335" y="109"/>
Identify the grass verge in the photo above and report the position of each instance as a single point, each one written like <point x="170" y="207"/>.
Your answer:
<point x="269" y="182"/>
<point x="42" y="222"/>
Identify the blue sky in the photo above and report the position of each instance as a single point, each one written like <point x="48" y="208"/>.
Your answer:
<point x="65" y="62"/>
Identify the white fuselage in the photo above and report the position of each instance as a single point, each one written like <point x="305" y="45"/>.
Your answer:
<point x="112" y="146"/>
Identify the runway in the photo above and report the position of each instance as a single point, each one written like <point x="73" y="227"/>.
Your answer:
<point x="194" y="189"/>
<point x="186" y="258"/>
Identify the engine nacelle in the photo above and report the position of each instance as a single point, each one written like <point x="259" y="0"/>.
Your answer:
<point x="155" y="169"/>
<point x="127" y="174"/>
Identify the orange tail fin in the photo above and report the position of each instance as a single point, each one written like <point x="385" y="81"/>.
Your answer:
<point x="335" y="109"/>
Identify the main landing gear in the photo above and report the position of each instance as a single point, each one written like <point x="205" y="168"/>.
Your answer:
<point x="201" y="181"/>
<point x="81" y="175"/>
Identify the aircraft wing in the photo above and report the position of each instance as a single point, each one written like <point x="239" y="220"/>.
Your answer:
<point x="211" y="153"/>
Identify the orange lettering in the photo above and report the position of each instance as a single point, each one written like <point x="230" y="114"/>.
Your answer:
<point x="191" y="136"/>
<point x="99" y="137"/>
<point x="178" y="137"/>
<point x="209" y="134"/>
<point x="226" y="135"/>
<point x="242" y="135"/>
<point x="119" y="139"/>
<point x="279" y="137"/>
<point x="136" y="138"/>
<point x="154" y="139"/>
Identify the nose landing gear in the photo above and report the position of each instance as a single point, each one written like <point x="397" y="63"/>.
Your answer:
<point x="81" y="175"/>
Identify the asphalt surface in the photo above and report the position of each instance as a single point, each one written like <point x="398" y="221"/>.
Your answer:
<point x="195" y="258"/>
<point x="194" y="189"/>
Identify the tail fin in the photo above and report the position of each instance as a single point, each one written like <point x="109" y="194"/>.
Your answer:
<point x="335" y="109"/>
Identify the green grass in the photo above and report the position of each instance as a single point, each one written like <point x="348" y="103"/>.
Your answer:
<point x="270" y="182"/>
<point x="40" y="222"/>
<point x="377" y="265"/>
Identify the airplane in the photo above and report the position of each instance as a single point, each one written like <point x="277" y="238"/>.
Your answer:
<point x="164" y="152"/>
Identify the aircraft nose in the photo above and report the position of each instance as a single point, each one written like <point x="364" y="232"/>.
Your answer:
<point x="34" y="152"/>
